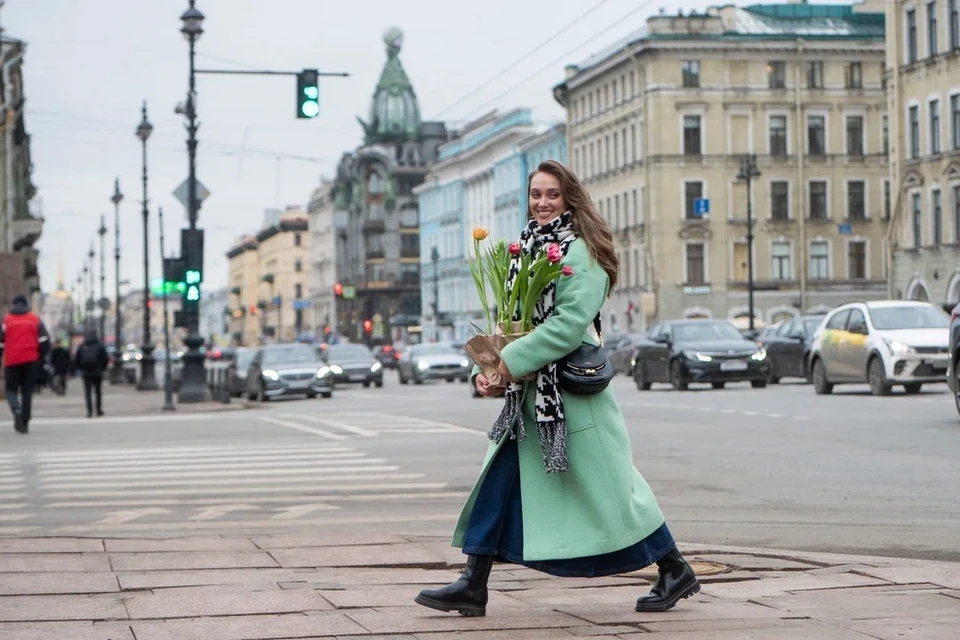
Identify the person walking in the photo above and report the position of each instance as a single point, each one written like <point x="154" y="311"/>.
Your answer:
<point x="24" y="344"/>
<point x="90" y="361"/>
<point x="60" y="362"/>
<point x="558" y="491"/>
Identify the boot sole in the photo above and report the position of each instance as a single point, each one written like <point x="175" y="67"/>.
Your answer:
<point x="688" y="590"/>
<point x="464" y="609"/>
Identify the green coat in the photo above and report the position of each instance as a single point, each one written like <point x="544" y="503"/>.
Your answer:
<point x="601" y="503"/>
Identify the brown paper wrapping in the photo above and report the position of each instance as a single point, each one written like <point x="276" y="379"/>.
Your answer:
<point x="485" y="350"/>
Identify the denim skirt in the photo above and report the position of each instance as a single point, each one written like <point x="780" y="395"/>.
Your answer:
<point x="495" y="529"/>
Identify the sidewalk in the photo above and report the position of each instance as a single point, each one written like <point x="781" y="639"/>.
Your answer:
<point x="362" y="586"/>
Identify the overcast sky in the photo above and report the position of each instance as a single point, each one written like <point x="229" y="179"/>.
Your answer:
<point x="90" y="63"/>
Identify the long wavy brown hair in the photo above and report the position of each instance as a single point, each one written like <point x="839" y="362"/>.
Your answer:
<point x="587" y="221"/>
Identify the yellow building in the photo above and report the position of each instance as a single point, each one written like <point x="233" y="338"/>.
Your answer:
<point x="923" y="80"/>
<point x="244" y="289"/>
<point x="283" y="254"/>
<point x="659" y="124"/>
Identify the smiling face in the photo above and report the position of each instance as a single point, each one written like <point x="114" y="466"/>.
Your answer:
<point x="546" y="199"/>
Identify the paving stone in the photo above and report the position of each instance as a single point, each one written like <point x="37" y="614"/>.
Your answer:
<point x="777" y="584"/>
<point x="756" y="563"/>
<point x="197" y="543"/>
<point x="26" y="584"/>
<point x="289" y="626"/>
<point x="338" y="578"/>
<point x="65" y="631"/>
<point x="811" y="631"/>
<point x="695" y="608"/>
<point x="72" y="607"/>
<point x="495" y="634"/>
<point x="602" y="631"/>
<point x="390" y="596"/>
<point x="355" y="556"/>
<point x="190" y="560"/>
<point x="943" y="574"/>
<point x="195" y="602"/>
<point x="51" y="545"/>
<point x="292" y="541"/>
<point x="52" y="562"/>
<point x="862" y="604"/>
<point x="420" y="619"/>
<point x="905" y="628"/>
<point x="772" y="626"/>
<point x="251" y="578"/>
<point x="557" y="598"/>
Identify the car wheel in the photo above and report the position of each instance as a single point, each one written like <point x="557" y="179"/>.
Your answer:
<point x="327" y="394"/>
<point x="464" y="379"/>
<point x="642" y="385"/>
<point x="403" y="379"/>
<point x="913" y="388"/>
<point x="378" y="384"/>
<point x="261" y="396"/>
<point x="718" y="385"/>
<point x="877" y="378"/>
<point x="676" y="376"/>
<point x="366" y="385"/>
<point x="773" y="380"/>
<point x="417" y="380"/>
<point x="758" y="384"/>
<point x="820" y="385"/>
<point x="311" y="396"/>
<point x="956" y="387"/>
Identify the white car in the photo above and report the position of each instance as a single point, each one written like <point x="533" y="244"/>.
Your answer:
<point x="883" y="343"/>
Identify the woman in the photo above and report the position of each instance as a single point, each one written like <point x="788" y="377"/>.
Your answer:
<point x="558" y="491"/>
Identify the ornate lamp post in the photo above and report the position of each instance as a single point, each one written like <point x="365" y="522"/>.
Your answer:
<point x="116" y="371"/>
<point x="748" y="171"/>
<point x="167" y="374"/>
<point x="92" y="321"/>
<point x="148" y="377"/>
<point x="102" y="232"/>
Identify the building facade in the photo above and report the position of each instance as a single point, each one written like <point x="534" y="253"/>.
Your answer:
<point x="658" y="127"/>
<point x="923" y="82"/>
<point x="215" y="316"/>
<point x="321" y="214"/>
<point x="375" y="219"/>
<point x="244" y="286"/>
<point x="283" y="267"/>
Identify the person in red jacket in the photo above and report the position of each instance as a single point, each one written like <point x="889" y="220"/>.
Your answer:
<point x="24" y="344"/>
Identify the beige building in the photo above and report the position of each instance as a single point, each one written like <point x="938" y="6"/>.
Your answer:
<point x="244" y="290"/>
<point x="323" y="258"/>
<point x="923" y="81"/>
<point x="131" y="319"/>
<point x="659" y="123"/>
<point x="283" y="255"/>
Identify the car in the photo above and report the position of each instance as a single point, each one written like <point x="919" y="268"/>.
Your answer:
<point x="387" y="355"/>
<point x="953" y="365"/>
<point x="621" y="353"/>
<point x="288" y="369"/>
<point x="242" y="356"/>
<point x="703" y="350"/>
<point x="431" y="362"/>
<point x="353" y="363"/>
<point x="788" y="347"/>
<point x="883" y="343"/>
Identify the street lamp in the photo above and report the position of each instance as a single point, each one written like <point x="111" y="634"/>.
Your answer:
<point x="193" y="386"/>
<point x="435" y="258"/>
<point x="148" y="377"/>
<point x="167" y="375"/>
<point x="748" y="171"/>
<point x="102" y="232"/>
<point x="116" y="371"/>
<point x="92" y="322"/>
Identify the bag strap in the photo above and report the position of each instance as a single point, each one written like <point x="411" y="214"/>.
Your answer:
<point x="596" y="326"/>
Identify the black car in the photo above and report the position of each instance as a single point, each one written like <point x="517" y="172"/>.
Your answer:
<point x="353" y="363"/>
<point x="788" y="348"/>
<point x="387" y="355"/>
<point x="685" y="351"/>
<point x="953" y="367"/>
<point x="622" y="351"/>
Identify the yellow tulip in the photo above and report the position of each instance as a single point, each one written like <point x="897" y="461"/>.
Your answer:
<point x="479" y="233"/>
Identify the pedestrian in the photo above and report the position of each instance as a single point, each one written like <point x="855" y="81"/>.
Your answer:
<point x="91" y="361"/>
<point x="60" y="361"/>
<point x="558" y="491"/>
<point x="24" y="344"/>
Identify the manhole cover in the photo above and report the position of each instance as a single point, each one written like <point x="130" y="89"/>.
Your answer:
<point x="701" y="567"/>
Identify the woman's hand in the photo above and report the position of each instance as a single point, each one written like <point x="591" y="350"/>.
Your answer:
<point x="505" y="372"/>
<point x="484" y="387"/>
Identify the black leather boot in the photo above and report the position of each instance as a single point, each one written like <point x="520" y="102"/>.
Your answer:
<point x="675" y="582"/>
<point x="468" y="595"/>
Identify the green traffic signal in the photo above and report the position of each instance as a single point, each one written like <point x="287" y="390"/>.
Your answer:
<point x="193" y="277"/>
<point x="193" y="293"/>
<point x="308" y="94"/>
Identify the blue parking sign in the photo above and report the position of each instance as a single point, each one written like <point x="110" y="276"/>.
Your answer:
<point x="701" y="207"/>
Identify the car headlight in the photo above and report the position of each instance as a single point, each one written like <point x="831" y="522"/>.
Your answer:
<point x="323" y="372"/>
<point x="422" y="365"/>
<point x="270" y="374"/>
<point x="761" y="354"/>
<point x="375" y="367"/>
<point x="898" y="348"/>
<point x="139" y="356"/>
<point x="464" y="363"/>
<point x="694" y="355"/>
<point x="336" y="369"/>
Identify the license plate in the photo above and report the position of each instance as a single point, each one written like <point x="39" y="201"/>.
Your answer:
<point x="733" y="365"/>
<point x="300" y="384"/>
<point x="356" y="377"/>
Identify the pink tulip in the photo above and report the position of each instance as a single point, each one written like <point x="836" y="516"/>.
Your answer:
<point x="553" y="253"/>
<point x="567" y="270"/>
<point x="514" y="249"/>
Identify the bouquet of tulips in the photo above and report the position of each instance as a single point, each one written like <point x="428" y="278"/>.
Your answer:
<point x="491" y="268"/>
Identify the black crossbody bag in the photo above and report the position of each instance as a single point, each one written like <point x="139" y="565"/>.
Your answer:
<point x="587" y="369"/>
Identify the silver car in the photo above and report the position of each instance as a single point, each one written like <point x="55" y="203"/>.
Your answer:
<point x="433" y="362"/>
<point x="288" y="369"/>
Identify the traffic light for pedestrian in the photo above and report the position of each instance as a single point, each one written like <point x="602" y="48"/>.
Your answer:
<point x="308" y="93"/>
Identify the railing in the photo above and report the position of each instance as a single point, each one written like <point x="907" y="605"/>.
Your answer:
<point x="220" y="380"/>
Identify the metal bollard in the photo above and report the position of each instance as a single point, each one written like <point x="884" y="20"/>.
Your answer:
<point x="227" y="386"/>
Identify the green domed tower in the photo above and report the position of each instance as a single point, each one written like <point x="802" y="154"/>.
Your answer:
<point x="394" y="111"/>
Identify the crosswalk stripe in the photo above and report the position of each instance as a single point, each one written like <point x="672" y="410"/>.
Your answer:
<point x="326" y="466"/>
<point x="338" y="425"/>
<point x="199" y="465"/>
<point x="304" y="428"/>
<point x="155" y="454"/>
<point x="330" y="497"/>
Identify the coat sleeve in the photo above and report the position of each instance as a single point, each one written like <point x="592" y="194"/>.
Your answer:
<point x="578" y="300"/>
<point x="43" y="339"/>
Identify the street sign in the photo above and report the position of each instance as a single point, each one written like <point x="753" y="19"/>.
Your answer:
<point x="701" y="207"/>
<point x="301" y="304"/>
<point x="276" y="301"/>
<point x="180" y="193"/>
<point x="349" y="292"/>
<point x="845" y="229"/>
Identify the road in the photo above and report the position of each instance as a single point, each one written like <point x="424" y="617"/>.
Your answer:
<point x="776" y="467"/>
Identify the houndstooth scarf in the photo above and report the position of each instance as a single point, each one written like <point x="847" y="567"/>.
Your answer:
<point x="551" y="423"/>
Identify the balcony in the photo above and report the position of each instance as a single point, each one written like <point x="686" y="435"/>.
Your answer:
<point x="26" y="231"/>
<point x="374" y="226"/>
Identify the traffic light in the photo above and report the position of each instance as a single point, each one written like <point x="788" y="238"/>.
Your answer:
<point x="253" y="309"/>
<point x="192" y="279"/>
<point x="308" y="94"/>
<point x="338" y="289"/>
<point x="368" y="326"/>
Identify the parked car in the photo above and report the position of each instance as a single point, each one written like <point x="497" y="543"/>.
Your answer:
<point x="883" y="343"/>
<point x="387" y="355"/>
<point x="353" y="363"/>
<point x="788" y="348"/>
<point x="685" y="351"/>
<point x="242" y="357"/>
<point x="433" y="361"/>
<point x="621" y="353"/>
<point x="953" y="365"/>
<point x="288" y="369"/>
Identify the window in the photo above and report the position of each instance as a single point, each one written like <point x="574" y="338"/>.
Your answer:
<point x="296" y="239"/>
<point x="298" y="265"/>
<point x="691" y="73"/>
<point x="815" y="75"/>
<point x="636" y="210"/>
<point x="885" y="143"/>
<point x="616" y="150"/>
<point x="780" y="260"/>
<point x="854" y="75"/>
<point x="917" y="219"/>
<point x="857" y="259"/>
<point x="818" y="200"/>
<point x="956" y="213"/>
<point x="954" y="15"/>
<point x="819" y="260"/>
<point x="778" y="135"/>
<point x="779" y="200"/>
<point x="691" y="135"/>
<point x="911" y="36"/>
<point x="816" y="135"/>
<point x="857" y="322"/>
<point x="298" y="291"/>
<point x="777" y="74"/>
<point x="692" y="190"/>
<point x="934" y="126"/>
<point x="914" y="132"/>
<point x="695" y="263"/>
<point x="886" y="199"/>
<point x="856" y="209"/>
<point x="955" y="121"/>
<point x="409" y="245"/>
<point x="937" y="199"/>
<point x="932" y="28"/>
<point x="839" y="320"/>
<point x="854" y="135"/>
